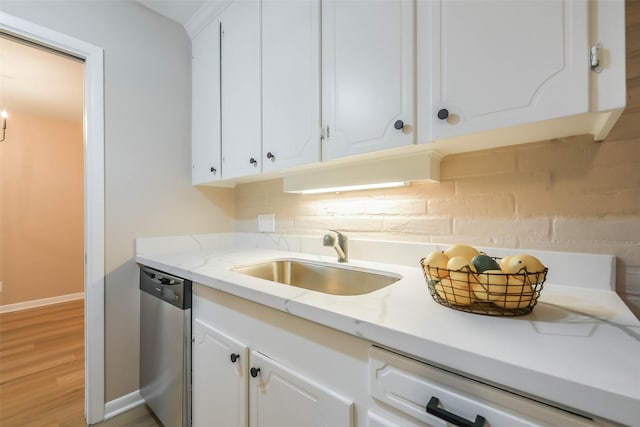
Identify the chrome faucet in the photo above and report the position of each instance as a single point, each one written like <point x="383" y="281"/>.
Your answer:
<point x="339" y="242"/>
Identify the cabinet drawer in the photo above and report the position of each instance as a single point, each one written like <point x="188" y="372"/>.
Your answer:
<point x="408" y="385"/>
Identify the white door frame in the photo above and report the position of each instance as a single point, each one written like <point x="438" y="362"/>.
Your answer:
<point x="94" y="272"/>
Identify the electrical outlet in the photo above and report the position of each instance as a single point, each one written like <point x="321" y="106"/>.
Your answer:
<point x="267" y="223"/>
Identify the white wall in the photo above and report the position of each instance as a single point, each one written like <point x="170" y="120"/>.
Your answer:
<point x="147" y="151"/>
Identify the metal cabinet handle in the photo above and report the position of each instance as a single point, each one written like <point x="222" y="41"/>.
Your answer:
<point x="399" y="124"/>
<point x="234" y="357"/>
<point x="271" y="156"/>
<point x="214" y="170"/>
<point x="253" y="161"/>
<point x="433" y="409"/>
<point x="443" y="114"/>
<point x="255" y="372"/>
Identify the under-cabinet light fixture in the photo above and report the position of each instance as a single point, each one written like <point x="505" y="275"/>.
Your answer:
<point x="398" y="170"/>
<point x="4" y="116"/>
<point x="353" y="187"/>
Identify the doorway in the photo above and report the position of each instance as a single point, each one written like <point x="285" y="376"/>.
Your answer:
<point x="41" y="177"/>
<point x="93" y="146"/>
<point x="41" y="234"/>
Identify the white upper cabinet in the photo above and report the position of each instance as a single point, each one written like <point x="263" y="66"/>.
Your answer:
<point x="367" y="76"/>
<point x="205" y="108"/>
<point x="486" y="65"/>
<point x="278" y="84"/>
<point x="240" y="89"/>
<point x="493" y="64"/>
<point x="290" y="83"/>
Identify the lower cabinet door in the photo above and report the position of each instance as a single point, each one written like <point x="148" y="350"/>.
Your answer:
<point x="220" y="378"/>
<point x="280" y="397"/>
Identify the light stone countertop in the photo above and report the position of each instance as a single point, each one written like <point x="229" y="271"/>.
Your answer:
<point x="579" y="348"/>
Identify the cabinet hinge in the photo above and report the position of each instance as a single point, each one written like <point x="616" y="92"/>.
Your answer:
<point x="595" y="57"/>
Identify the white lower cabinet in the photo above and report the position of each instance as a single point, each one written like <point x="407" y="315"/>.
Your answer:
<point x="260" y="367"/>
<point x="439" y="398"/>
<point x="219" y="378"/>
<point x="235" y="387"/>
<point x="281" y="397"/>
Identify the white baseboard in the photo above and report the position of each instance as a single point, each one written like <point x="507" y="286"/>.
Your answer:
<point x="122" y="404"/>
<point x="40" y="302"/>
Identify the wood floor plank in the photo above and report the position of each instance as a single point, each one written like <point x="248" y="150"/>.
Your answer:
<point x="42" y="370"/>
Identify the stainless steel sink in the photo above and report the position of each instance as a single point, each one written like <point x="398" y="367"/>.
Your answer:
<point x="319" y="277"/>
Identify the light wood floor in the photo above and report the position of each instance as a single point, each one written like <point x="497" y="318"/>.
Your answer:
<point x="42" y="370"/>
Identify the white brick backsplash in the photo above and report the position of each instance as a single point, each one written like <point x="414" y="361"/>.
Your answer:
<point x="418" y="225"/>
<point x="632" y="281"/>
<point x="494" y="205"/>
<point x="527" y="182"/>
<point x="317" y="222"/>
<point x="374" y="206"/>
<point x="538" y="228"/>
<point x="356" y="223"/>
<point x="598" y="229"/>
<point x="565" y="195"/>
<point x="475" y="240"/>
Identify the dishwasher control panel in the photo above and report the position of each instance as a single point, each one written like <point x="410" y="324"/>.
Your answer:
<point x="174" y="290"/>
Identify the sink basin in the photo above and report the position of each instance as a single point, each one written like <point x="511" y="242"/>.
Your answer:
<point x="319" y="277"/>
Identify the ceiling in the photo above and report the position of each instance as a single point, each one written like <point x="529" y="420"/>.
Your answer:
<point x="37" y="81"/>
<point x="177" y="10"/>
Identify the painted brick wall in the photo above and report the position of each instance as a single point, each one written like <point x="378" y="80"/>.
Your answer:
<point x="568" y="195"/>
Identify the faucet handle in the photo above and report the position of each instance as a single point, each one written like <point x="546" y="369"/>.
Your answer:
<point x="328" y="240"/>
<point x="339" y="243"/>
<point x="338" y="233"/>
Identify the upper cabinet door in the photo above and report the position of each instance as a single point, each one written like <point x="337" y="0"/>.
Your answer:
<point x="205" y="107"/>
<point x="494" y="64"/>
<point x="368" y="74"/>
<point x="240" y="89"/>
<point x="290" y="83"/>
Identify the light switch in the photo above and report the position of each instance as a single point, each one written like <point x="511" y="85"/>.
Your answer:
<point x="267" y="223"/>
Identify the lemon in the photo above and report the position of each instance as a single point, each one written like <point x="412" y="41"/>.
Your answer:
<point x="518" y="263"/>
<point x="437" y="262"/>
<point x="455" y="291"/>
<point x="465" y="251"/>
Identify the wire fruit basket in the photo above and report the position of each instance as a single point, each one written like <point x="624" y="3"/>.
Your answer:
<point x="490" y="293"/>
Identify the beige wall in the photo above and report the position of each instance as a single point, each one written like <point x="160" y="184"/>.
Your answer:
<point x="566" y="195"/>
<point x="41" y="206"/>
<point x="148" y="191"/>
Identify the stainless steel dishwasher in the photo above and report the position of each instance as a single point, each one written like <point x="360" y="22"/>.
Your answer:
<point x="165" y="346"/>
